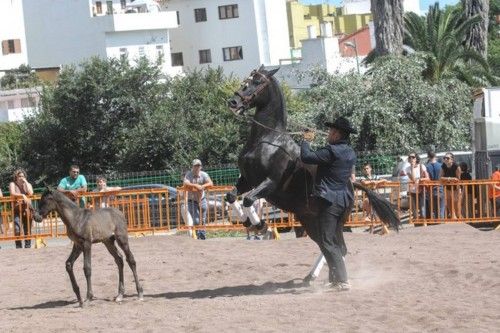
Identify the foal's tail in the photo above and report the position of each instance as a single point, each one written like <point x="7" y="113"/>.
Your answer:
<point x="382" y="207"/>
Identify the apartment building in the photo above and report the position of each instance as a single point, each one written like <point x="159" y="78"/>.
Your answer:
<point x="237" y="35"/>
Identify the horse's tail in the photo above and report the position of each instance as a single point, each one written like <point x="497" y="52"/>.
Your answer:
<point x="382" y="207"/>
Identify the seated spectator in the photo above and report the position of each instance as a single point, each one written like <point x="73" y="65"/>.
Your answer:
<point x="73" y="185"/>
<point x="20" y="189"/>
<point x="371" y="181"/>
<point x="102" y="187"/>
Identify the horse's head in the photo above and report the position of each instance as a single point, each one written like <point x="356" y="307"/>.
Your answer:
<point x="47" y="202"/>
<point x="254" y="90"/>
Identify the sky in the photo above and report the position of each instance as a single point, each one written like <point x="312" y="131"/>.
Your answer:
<point x="424" y="4"/>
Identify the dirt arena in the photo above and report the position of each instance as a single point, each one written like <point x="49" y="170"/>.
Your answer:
<point x="441" y="278"/>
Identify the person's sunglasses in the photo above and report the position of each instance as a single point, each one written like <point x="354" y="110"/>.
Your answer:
<point x="446" y="158"/>
<point x="411" y="156"/>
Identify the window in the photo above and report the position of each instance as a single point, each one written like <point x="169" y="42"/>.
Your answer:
<point x="27" y="102"/>
<point x="109" y="5"/>
<point x="123" y="53"/>
<point x="177" y="59"/>
<point x="200" y="15"/>
<point x="159" y="51"/>
<point x="10" y="105"/>
<point x="232" y="53"/>
<point x="141" y="51"/>
<point x="228" y="12"/>
<point x="11" y="46"/>
<point x="123" y="3"/>
<point x="98" y="7"/>
<point x="205" y="56"/>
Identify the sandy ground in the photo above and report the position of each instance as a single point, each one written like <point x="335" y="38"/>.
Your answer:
<point x="441" y="278"/>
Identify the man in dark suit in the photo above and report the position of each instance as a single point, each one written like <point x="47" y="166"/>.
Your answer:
<point x="334" y="194"/>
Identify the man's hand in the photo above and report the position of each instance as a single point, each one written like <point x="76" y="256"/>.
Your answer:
<point x="309" y="135"/>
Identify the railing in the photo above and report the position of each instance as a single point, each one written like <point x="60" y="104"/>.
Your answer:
<point x="163" y="210"/>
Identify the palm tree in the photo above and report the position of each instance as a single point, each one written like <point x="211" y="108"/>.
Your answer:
<point x="440" y="38"/>
<point x="388" y="21"/>
<point x="477" y="36"/>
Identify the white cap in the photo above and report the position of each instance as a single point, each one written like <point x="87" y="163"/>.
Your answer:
<point x="196" y="162"/>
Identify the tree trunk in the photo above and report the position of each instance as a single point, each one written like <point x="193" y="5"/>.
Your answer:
<point x="388" y="21"/>
<point x="477" y="37"/>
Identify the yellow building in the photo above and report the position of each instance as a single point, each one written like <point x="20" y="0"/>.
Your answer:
<point x="301" y="16"/>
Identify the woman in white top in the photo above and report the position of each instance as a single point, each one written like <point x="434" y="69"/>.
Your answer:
<point x="416" y="172"/>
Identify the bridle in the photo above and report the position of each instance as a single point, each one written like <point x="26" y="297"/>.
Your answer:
<point x="246" y="100"/>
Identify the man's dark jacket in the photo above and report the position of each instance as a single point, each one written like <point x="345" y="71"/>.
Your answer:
<point x="335" y="164"/>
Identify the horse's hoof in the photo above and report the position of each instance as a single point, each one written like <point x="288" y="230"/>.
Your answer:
<point x="119" y="298"/>
<point x="141" y="297"/>
<point x="230" y="197"/>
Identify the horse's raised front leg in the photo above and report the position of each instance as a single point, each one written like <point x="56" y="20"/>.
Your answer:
<point x="87" y="268"/>
<point x="110" y="245"/>
<point x="75" y="253"/>
<point x="241" y="187"/>
<point x="264" y="189"/>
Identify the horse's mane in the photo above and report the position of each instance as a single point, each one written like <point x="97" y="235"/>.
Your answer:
<point x="62" y="197"/>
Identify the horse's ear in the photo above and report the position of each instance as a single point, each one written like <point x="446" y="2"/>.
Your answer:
<point x="272" y="72"/>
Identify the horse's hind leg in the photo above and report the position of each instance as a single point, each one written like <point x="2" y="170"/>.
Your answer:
<point x="110" y="245"/>
<point x="87" y="268"/>
<point x="75" y="253"/>
<point x="123" y="243"/>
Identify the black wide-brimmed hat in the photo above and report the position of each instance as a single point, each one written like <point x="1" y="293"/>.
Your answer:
<point x="342" y="124"/>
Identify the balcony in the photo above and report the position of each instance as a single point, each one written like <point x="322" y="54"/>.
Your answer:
<point x="137" y="21"/>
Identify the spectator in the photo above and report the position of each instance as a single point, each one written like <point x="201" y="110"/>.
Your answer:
<point x="416" y="172"/>
<point x="197" y="181"/>
<point x="450" y="171"/>
<point x="495" y="190"/>
<point x="102" y="187"/>
<point x="20" y="189"/>
<point x="434" y="203"/>
<point x="74" y="184"/>
<point x="370" y="181"/>
<point x="466" y="200"/>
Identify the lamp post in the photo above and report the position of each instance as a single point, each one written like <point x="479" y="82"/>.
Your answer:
<point x="355" y="47"/>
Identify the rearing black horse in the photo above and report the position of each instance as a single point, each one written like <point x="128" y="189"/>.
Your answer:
<point x="270" y="163"/>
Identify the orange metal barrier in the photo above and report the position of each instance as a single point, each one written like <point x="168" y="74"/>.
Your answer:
<point x="454" y="202"/>
<point x="158" y="210"/>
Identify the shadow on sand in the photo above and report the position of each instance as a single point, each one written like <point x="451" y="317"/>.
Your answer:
<point x="287" y="287"/>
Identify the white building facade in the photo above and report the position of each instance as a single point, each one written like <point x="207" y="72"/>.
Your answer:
<point x="237" y="35"/>
<point x="12" y="35"/>
<point x="63" y="32"/>
<point x="16" y="104"/>
<point x="364" y="6"/>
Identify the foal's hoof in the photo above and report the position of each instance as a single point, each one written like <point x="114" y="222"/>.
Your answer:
<point x="119" y="298"/>
<point x="141" y="297"/>
<point x="308" y="279"/>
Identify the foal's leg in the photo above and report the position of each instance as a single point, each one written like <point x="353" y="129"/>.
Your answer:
<point x="75" y="253"/>
<point x="123" y="243"/>
<point x="110" y="245"/>
<point x="87" y="268"/>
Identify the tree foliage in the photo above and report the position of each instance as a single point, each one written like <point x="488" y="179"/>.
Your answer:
<point x="394" y="108"/>
<point x="11" y="135"/>
<point x="440" y="37"/>
<point x="22" y="77"/>
<point x="107" y="116"/>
